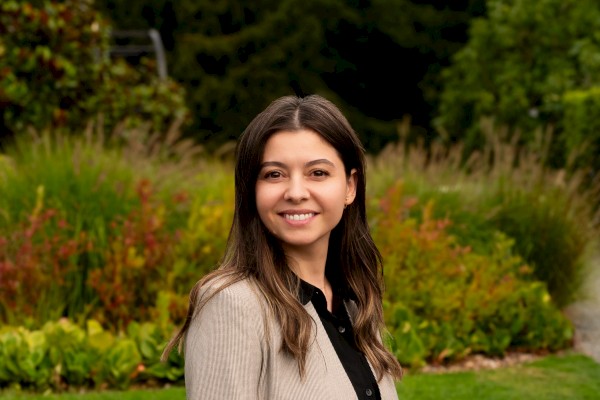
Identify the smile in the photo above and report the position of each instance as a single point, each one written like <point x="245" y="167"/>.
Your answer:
<point x="298" y="217"/>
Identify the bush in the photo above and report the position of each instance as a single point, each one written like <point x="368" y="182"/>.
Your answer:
<point x="582" y="129"/>
<point x="55" y="72"/>
<point x="550" y="214"/>
<point x="443" y="301"/>
<point x="518" y="63"/>
<point x="546" y="234"/>
<point x="51" y="61"/>
<point x="118" y="237"/>
<point x="59" y="198"/>
<point x="62" y="356"/>
<point x="145" y="219"/>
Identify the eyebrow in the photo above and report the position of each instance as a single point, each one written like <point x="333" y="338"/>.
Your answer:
<point x="308" y="164"/>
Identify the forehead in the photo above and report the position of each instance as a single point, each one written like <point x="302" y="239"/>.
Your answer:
<point x="304" y="143"/>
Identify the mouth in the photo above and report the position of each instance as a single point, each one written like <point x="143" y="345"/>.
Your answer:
<point x="298" y="217"/>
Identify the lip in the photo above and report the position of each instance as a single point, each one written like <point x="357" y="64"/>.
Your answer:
<point x="297" y="211"/>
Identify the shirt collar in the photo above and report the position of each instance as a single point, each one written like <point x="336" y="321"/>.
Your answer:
<point x="307" y="290"/>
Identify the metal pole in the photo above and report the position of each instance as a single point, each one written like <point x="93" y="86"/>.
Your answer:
<point x="161" y="61"/>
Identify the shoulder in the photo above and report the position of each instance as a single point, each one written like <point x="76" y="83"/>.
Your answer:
<point x="226" y="310"/>
<point x="224" y="345"/>
<point x="221" y="294"/>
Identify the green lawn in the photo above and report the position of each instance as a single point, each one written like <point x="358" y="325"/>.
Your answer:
<point x="158" y="394"/>
<point x="572" y="377"/>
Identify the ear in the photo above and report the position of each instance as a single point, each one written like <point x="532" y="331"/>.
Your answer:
<point x="351" y="186"/>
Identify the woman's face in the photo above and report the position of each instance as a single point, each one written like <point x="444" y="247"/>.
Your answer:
<point x="302" y="189"/>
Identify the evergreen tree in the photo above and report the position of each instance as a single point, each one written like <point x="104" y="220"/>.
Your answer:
<point x="377" y="59"/>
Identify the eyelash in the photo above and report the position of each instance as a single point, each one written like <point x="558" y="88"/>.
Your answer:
<point x="269" y="175"/>
<point x="319" y="173"/>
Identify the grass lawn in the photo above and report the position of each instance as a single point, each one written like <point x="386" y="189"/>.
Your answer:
<point x="572" y="376"/>
<point x="175" y="393"/>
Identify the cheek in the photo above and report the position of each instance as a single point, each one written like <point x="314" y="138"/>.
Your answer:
<point x="342" y="193"/>
<point x="335" y="200"/>
<point x="263" y="201"/>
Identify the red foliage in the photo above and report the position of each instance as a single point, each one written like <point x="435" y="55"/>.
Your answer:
<point x="31" y="260"/>
<point x="139" y="254"/>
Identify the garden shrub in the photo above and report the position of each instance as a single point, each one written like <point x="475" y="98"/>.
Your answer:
<point x="58" y="199"/>
<point x="444" y="301"/>
<point x="51" y="61"/>
<point x="62" y="356"/>
<point x="210" y="215"/>
<point x="582" y="129"/>
<point x="519" y="61"/>
<point x="38" y="264"/>
<point x="550" y="214"/>
<point x="24" y="360"/>
<point x="546" y="234"/>
<point x="116" y="277"/>
<point x="135" y="262"/>
<point x="88" y="230"/>
<point x="75" y="352"/>
<point x="150" y="340"/>
<point x="138" y="228"/>
<point x="55" y="72"/>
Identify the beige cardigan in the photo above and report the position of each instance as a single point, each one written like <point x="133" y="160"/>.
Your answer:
<point x="228" y="356"/>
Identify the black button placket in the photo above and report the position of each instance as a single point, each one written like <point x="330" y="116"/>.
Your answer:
<point x="338" y="327"/>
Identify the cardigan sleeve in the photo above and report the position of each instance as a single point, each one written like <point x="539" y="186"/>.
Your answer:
<point x="223" y="348"/>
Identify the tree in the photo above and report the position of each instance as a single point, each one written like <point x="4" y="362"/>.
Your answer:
<point x="377" y="59"/>
<point x="519" y="62"/>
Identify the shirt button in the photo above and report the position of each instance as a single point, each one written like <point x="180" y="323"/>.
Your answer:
<point x="341" y="329"/>
<point x="369" y="392"/>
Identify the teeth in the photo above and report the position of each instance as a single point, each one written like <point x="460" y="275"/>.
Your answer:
<point x="298" y="217"/>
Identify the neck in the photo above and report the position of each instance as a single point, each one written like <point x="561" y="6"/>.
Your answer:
<point x="308" y="265"/>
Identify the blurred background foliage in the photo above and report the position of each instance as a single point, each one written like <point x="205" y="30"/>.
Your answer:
<point x="379" y="60"/>
<point x="116" y="240"/>
<point x="520" y="66"/>
<point x="445" y="67"/>
<point x="116" y="185"/>
<point x="55" y="71"/>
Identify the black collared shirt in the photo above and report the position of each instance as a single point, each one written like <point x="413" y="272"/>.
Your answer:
<point x="339" y="329"/>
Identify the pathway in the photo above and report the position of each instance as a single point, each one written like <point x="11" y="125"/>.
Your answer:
<point x="585" y="315"/>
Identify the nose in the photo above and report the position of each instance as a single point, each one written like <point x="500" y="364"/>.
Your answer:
<point x="296" y="190"/>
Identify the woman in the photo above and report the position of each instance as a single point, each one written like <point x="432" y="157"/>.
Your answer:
<point x="294" y="310"/>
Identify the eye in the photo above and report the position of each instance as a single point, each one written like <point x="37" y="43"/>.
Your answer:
<point x="319" y="173"/>
<point x="272" y="175"/>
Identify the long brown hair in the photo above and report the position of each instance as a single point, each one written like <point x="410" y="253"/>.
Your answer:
<point x="253" y="253"/>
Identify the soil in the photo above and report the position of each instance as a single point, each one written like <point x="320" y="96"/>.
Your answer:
<point x="479" y="362"/>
